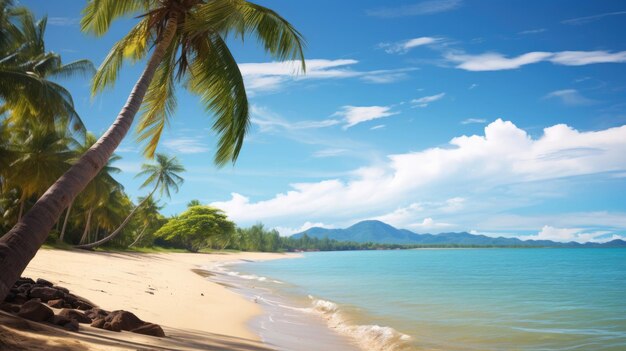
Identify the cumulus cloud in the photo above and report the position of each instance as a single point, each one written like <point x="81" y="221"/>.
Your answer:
<point x="426" y="100"/>
<point x="496" y="61"/>
<point x="569" y="97"/>
<point x="406" y="45"/>
<point x="571" y="234"/>
<point x="503" y="155"/>
<point x="354" y="115"/>
<point x="268" y="76"/>
<point x="418" y="9"/>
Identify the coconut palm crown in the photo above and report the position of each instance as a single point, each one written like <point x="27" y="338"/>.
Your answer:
<point x="197" y="57"/>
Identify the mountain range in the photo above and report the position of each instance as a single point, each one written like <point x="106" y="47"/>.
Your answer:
<point x="383" y="233"/>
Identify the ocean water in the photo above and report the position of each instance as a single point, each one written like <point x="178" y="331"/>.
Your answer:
<point x="474" y="299"/>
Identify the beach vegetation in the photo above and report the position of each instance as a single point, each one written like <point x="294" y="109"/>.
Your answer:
<point x="183" y="45"/>
<point x="197" y="228"/>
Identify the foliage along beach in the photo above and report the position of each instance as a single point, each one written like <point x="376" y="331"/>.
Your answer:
<point x="85" y="265"/>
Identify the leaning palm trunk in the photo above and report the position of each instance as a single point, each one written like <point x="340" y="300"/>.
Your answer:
<point x="116" y="231"/>
<point x="83" y="239"/>
<point x="139" y="236"/>
<point x="19" y="245"/>
<point x="67" y="216"/>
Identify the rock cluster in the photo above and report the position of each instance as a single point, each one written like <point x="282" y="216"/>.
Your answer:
<point x="32" y="300"/>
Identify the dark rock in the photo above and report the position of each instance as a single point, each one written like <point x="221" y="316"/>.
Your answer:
<point x="70" y="299"/>
<point x="71" y="326"/>
<point x="9" y="307"/>
<point x="82" y="305"/>
<point x="59" y="320"/>
<point x="23" y="280"/>
<point x="96" y="313"/>
<point x="35" y="311"/>
<point x="111" y="327"/>
<point x="58" y="303"/>
<point x="20" y="299"/>
<point x="75" y="315"/>
<point x="44" y="282"/>
<point x="10" y="296"/>
<point x="60" y="288"/>
<point x="45" y="293"/>
<point x="98" y="323"/>
<point x="150" y="329"/>
<point x="124" y="320"/>
<point x="24" y="287"/>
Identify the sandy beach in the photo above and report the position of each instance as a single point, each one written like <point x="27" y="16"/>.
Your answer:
<point x="162" y="288"/>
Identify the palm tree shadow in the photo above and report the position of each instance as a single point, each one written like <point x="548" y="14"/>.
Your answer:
<point x="18" y="334"/>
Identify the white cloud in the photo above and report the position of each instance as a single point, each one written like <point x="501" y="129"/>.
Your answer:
<point x="421" y="8"/>
<point x="380" y="126"/>
<point x="287" y="231"/>
<point x="580" y="58"/>
<point x="504" y="155"/>
<point x="406" y="45"/>
<point x="570" y="97"/>
<point x="473" y="86"/>
<point x="426" y="100"/>
<point x="329" y="153"/>
<point x="533" y="31"/>
<point x="354" y="115"/>
<point x="186" y="145"/>
<point x="268" y="76"/>
<point x="474" y="121"/>
<point x="497" y="62"/>
<point x="571" y="234"/>
<point x="268" y="121"/>
<point x="587" y="19"/>
<point x="429" y="224"/>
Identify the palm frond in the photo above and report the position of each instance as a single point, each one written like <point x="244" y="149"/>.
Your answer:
<point x="84" y="68"/>
<point x="159" y="104"/>
<point x="110" y="67"/>
<point x="99" y="14"/>
<point x="215" y="77"/>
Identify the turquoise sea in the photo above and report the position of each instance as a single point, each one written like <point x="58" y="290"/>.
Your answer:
<point x="457" y="299"/>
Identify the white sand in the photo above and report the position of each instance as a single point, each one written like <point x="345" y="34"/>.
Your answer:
<point x="196" y="314"/>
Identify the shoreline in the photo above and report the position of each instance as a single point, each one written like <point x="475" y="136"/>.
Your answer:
<point x="284" y="323"/>
<point x="161" y="288"/>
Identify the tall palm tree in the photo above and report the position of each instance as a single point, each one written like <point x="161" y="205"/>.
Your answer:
<point x="27" y="71"/>
<point x="164" y="175"/>
<point x="186" y="38"/>
<point x="98" y="193"/>
<point x="43" y="155"/>
<point x="148" y="215"/>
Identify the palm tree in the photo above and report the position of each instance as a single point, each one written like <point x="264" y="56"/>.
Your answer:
<point x="187" y="42"/>
<point x="98" y="192"/>
<point x="43" y="155"/>
<point x="193" y="203"/>
<point x="164" y="175"/>
<point x="148" y="214"/>
<point x="26" y="70"/>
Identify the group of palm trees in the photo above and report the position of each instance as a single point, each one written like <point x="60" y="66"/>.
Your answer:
<point x="183" y="44"/>
<point x="41" y="137"/>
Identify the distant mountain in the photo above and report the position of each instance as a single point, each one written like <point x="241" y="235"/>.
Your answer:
<point x="383" y="233"/>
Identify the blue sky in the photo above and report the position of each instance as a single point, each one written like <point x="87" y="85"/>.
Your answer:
<point x="497" y="117"/>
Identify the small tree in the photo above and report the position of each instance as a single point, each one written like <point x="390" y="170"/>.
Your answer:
<point x="197" y="228"/>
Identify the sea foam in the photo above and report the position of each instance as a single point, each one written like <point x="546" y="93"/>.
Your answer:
<point x="368" y="337"/>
